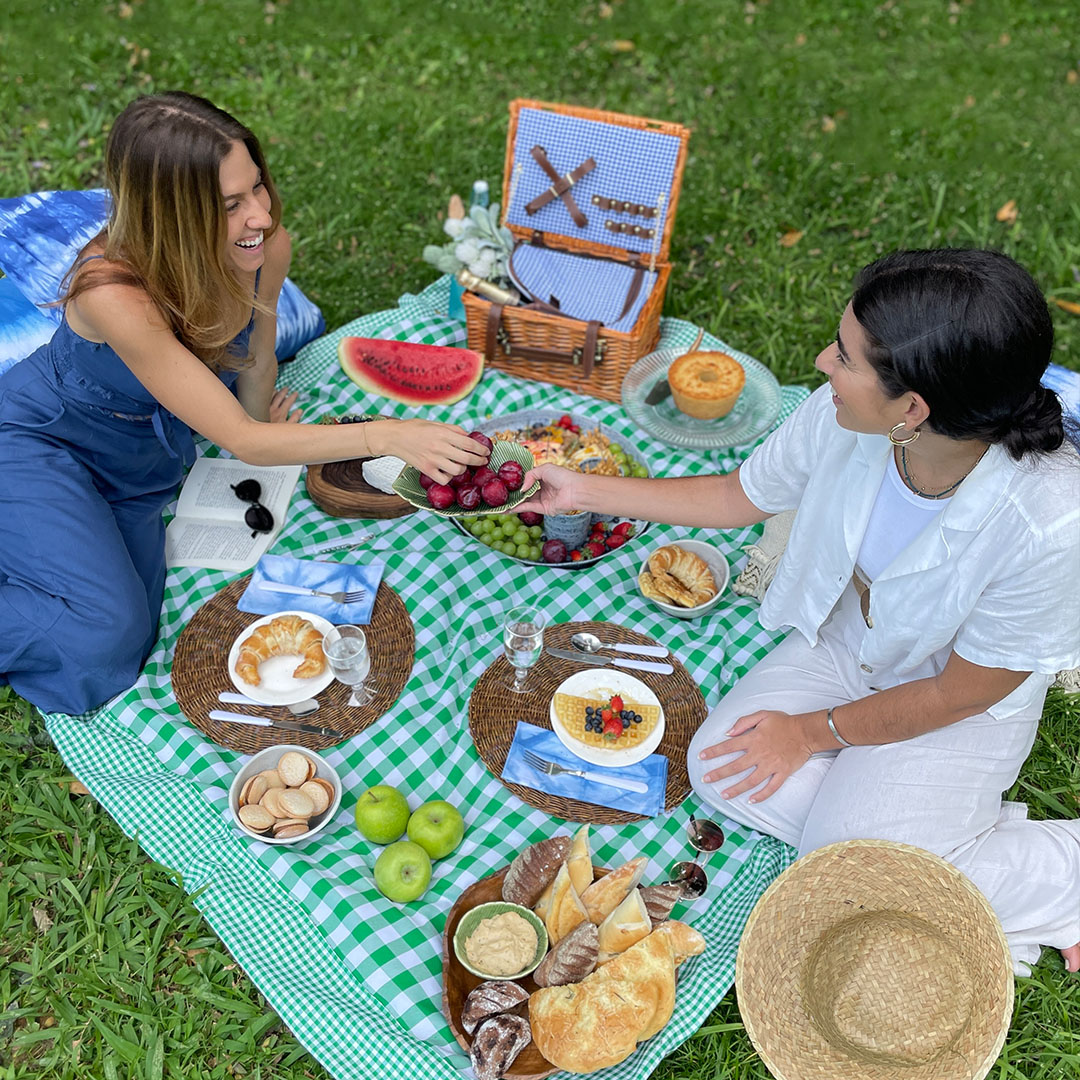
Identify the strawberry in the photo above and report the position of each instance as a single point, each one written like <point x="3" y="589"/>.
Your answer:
<point x="575" y="429"/>
<point x="575" y="555"/>
<point x="612" y="729"/>
<point x="600" y="526"/>
<point x="565" y="421"/>
<point x="606" y="715"/>
<point x="616" y="540"/>
<point x="617" y="704"/>
<point x="624" y="528"/>
<point x="595" y="548"/>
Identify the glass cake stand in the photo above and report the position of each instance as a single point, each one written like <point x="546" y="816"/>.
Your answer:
<point x="754" y="413"/>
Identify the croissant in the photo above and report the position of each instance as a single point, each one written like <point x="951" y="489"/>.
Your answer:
<point x="679" y="576"/>
<point x="286" y="635"/>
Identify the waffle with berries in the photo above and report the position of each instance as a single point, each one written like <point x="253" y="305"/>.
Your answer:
<point x="612" y="724"/>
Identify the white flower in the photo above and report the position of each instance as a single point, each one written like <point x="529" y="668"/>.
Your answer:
<point x="454" y="227"/>
<point x="481" y="266"/>
<point x="467" y="251"/>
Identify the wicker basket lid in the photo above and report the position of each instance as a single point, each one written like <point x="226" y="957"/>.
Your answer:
<point x="870" y="960"/>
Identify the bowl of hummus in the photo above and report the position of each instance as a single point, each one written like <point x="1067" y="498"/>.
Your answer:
<point x="500" y="941"/>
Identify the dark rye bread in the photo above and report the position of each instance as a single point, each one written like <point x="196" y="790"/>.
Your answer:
<point x="497" y="1044"/>
<point x="659" y="900"/>
<point x="490" y="999"/>
<point x="534" y="870"/>
<point x="572" y="959"/>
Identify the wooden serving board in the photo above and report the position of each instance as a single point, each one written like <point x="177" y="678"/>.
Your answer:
<point x="458" y="983"/>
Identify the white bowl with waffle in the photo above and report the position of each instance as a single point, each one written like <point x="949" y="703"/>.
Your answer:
<point x="687" y="569"/>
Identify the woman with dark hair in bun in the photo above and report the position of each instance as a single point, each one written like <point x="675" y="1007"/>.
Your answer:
<point x="932" y="575"/>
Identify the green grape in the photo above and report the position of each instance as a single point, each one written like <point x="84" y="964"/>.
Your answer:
<point x="477" y="528"/>
<point x="535" y="532"/>
<point x="486" y="526"/>
<point x="511" y="520"/>
<point x="521" y="536"/>
<point x="535" y="552"/>
<point x="523" y="551"/>
<point x="638" y="470"/>
<point x="509" y="547"/>
<point x="485" y="539"/>
<point x="497" y="532"/>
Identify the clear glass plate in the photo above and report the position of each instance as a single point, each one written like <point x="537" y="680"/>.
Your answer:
<point x="754" y="413"/>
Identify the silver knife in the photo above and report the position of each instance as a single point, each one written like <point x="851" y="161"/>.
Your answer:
<point x="604" y="661"/>
<point x="268" y="721"/>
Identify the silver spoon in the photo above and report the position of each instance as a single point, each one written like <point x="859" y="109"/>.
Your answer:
<point x="298" y="708"/>
<point x="590" y="643"/>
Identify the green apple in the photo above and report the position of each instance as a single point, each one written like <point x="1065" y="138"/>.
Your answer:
<point x="437" y="827"/>
<point x="382" y="814"/>
<point x="402" y="871"/>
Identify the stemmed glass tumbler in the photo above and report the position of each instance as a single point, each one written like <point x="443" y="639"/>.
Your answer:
<point x="523" y="640"/>
<point x="346" y="651"/>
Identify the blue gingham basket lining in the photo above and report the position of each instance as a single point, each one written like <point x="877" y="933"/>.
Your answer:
<point x="634" y="165"/>
<point x="586" y="288"/>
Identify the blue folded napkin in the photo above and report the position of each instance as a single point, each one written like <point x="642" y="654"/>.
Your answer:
<point x="652" y="771"/>
<point x="327" y="576"/>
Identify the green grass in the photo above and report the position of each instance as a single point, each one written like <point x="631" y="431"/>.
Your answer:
<point x="865" y="126"/>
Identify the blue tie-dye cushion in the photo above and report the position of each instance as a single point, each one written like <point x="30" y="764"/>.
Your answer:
<point x="22" y="327"/>
<point x="42" y="233"/>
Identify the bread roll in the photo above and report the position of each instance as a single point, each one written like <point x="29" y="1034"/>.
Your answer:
<point x="490" y="999"/>
<point x="534" y="870"/>
<point x="572" y="959"/>
<point x="579" y="862"/>
<point x="602" y="897"/>
<point x="659" y="900"/>
<point x="566" y="909"/>
<point x="497" y="1043"/>
<point x="624" y="927"/>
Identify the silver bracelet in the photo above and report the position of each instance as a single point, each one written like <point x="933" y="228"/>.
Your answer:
<point x="832" y="727"/>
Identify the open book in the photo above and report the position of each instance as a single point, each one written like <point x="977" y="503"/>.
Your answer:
<point x="209" y="528"/>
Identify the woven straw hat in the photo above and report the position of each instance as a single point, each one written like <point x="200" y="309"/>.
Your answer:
<point x="869" y="960"/>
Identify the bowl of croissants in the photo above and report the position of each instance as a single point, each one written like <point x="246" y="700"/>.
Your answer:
<point x="606" y="983"/>
<point x="685" y="579"/>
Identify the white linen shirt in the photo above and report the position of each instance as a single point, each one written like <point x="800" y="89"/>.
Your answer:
<point x="996" y="577"/>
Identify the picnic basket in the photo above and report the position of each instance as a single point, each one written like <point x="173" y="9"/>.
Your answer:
<point x="591" y="213"/>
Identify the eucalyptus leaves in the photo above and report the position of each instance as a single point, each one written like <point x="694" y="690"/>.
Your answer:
<point x="477" y="242"/>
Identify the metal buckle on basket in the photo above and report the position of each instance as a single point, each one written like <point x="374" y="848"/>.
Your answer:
<point x="502" y="337"/>
<point x="578" y="355"/>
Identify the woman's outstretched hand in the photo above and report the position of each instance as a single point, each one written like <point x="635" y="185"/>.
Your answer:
<point x="558" y="488"/>
<point x="437" y="450"/>
<point x="773" y="745"/>
<point x="280" y="404"/>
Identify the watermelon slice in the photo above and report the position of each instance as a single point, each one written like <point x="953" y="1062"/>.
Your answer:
<point x="408" y="372"/>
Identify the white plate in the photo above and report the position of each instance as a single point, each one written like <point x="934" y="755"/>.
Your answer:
<point x="601" y="683"/>
<point x="278" y="687"/>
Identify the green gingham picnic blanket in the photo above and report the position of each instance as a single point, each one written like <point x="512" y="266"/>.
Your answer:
<point x="357" y="978"/>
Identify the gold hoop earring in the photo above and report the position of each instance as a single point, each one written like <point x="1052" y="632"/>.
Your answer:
<point x="902" y="442"/>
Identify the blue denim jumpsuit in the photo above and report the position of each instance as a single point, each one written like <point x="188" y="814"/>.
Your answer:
<point x="88" y="461"/>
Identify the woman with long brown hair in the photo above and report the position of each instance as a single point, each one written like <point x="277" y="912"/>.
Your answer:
<point x="169" y="327"/>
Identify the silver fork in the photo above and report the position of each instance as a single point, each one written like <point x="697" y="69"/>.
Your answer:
<point x="551" y="768"/>
<point x="339" y="597"/>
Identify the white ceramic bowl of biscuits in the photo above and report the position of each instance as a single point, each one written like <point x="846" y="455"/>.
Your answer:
<point x="284" y="795"/>
<point x="675" y="575"/>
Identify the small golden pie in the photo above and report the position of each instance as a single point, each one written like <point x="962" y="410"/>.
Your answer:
<point x="706" y="385"/>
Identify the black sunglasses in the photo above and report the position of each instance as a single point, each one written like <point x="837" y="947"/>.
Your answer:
<point x="705" y="837"/>
<point x="257" y="518"/>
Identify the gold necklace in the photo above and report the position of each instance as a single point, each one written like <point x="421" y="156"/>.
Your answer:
<point x="936" y="494"/>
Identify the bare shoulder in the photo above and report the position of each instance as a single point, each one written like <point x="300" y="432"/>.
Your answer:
<point x="102" y="310"/>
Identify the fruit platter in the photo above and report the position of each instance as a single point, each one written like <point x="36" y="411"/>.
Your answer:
<point x="551" y="437"/>
<point x="497" y="486"/>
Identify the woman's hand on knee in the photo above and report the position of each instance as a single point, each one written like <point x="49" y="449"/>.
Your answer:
<point x="771" y="744"/>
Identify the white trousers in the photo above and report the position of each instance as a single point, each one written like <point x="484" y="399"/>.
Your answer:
<point x="940" y="791"/>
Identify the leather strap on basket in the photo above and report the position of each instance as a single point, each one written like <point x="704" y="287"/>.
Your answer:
<point x="560" y="186"/>
<point x="587" y="356"/>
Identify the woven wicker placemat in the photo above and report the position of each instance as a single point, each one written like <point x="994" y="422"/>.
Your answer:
<point x="494" y="712"/>
<point x="200" y="673"/>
